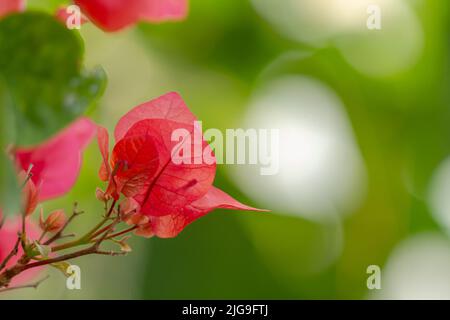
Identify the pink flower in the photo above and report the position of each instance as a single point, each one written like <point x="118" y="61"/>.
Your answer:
<point x="170" y="195"/>
<point x="62" y="15"/>
<point x="56" y="163"/>
<point x="8" y="238"/>
<point x="11" y="6"/>
<point x="114" y="15"/>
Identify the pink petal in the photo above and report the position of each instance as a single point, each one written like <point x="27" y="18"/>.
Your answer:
<point x="111" y="15"/>
<point x="169" y="107"/>
<point x="56" y="162"/>
<point x="114" y="15"/>
<point x="215" y="199"/>
<point x="11" y="6"/>
<point x="103" y="144"/>
<point x="163" y="10"/>
<point x="135" y="160"/>
<point x="174" y="185"/>
<point x="171" y="225"/>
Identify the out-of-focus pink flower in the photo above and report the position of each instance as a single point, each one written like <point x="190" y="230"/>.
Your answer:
<point x="163" y="10"/>
<point x="11" y="6"/>
<point x="8" y="238"/>
<point x="114" y="15"/>
<point x="63" y="15"/>
<point x="55" y="164"/>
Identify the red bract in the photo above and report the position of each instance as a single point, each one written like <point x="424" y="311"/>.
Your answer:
<point x="113" y="15"/>
<point x="133" y="163"/>
<point x="10" y="6"/>
<point x="171" y="193"/>
<point x="175" y="185"/>
<point x="171" y="225"/>
<point x="56" y="163"/>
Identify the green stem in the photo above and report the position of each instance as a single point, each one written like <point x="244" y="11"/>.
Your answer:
<point x="118" y="233"/>
<point x="87" y="237"/>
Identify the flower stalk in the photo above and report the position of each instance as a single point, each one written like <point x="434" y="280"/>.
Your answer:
<point x="33" y="258"/>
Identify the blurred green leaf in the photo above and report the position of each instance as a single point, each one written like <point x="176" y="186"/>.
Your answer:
<point x="9" y="189"/>
<point x="41" y="63"/>
<point x="50" y="5"/>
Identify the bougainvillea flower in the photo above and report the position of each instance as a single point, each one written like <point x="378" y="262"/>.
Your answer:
<point x="176" y="193"/>
<point x="10" y="6"/>
<point x="55" y="164"/>
<point x="8" y="238"/>
<point x="114" y="15"/>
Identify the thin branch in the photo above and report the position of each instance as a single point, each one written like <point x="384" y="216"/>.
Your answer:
<point x="106" y="234"/>
<point x="120" y="233"/>
<point x="86" y="238"/>
<point x="24" y="214"/>
<point x="42" y="236"/>
<point x="99" y="232"/>
<point x="12" y="253"/>
<point x="69" y="235"/>
<point x="112" y="253"/>
<point x="93" y="249"/>
<point x="57" y="236"/>
<point x="104" y="220"/>
<point x="34" y="285"/>
<point x="88" y="251"/>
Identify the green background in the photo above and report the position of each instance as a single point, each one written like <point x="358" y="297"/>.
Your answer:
<point x="217" y="59"/>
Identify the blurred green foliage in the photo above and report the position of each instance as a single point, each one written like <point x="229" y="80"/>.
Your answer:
<point x="48" y="89"/>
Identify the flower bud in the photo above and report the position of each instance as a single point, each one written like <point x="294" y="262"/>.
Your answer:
<point x="124" y="246"/>
<point x="101" y="195"/>
<point x="30" y="194"/>
<point x="144" y="230"/>
<point x="54" y="221"/>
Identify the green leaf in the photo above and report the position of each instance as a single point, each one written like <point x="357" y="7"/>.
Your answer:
<point x="41" y="64"/>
